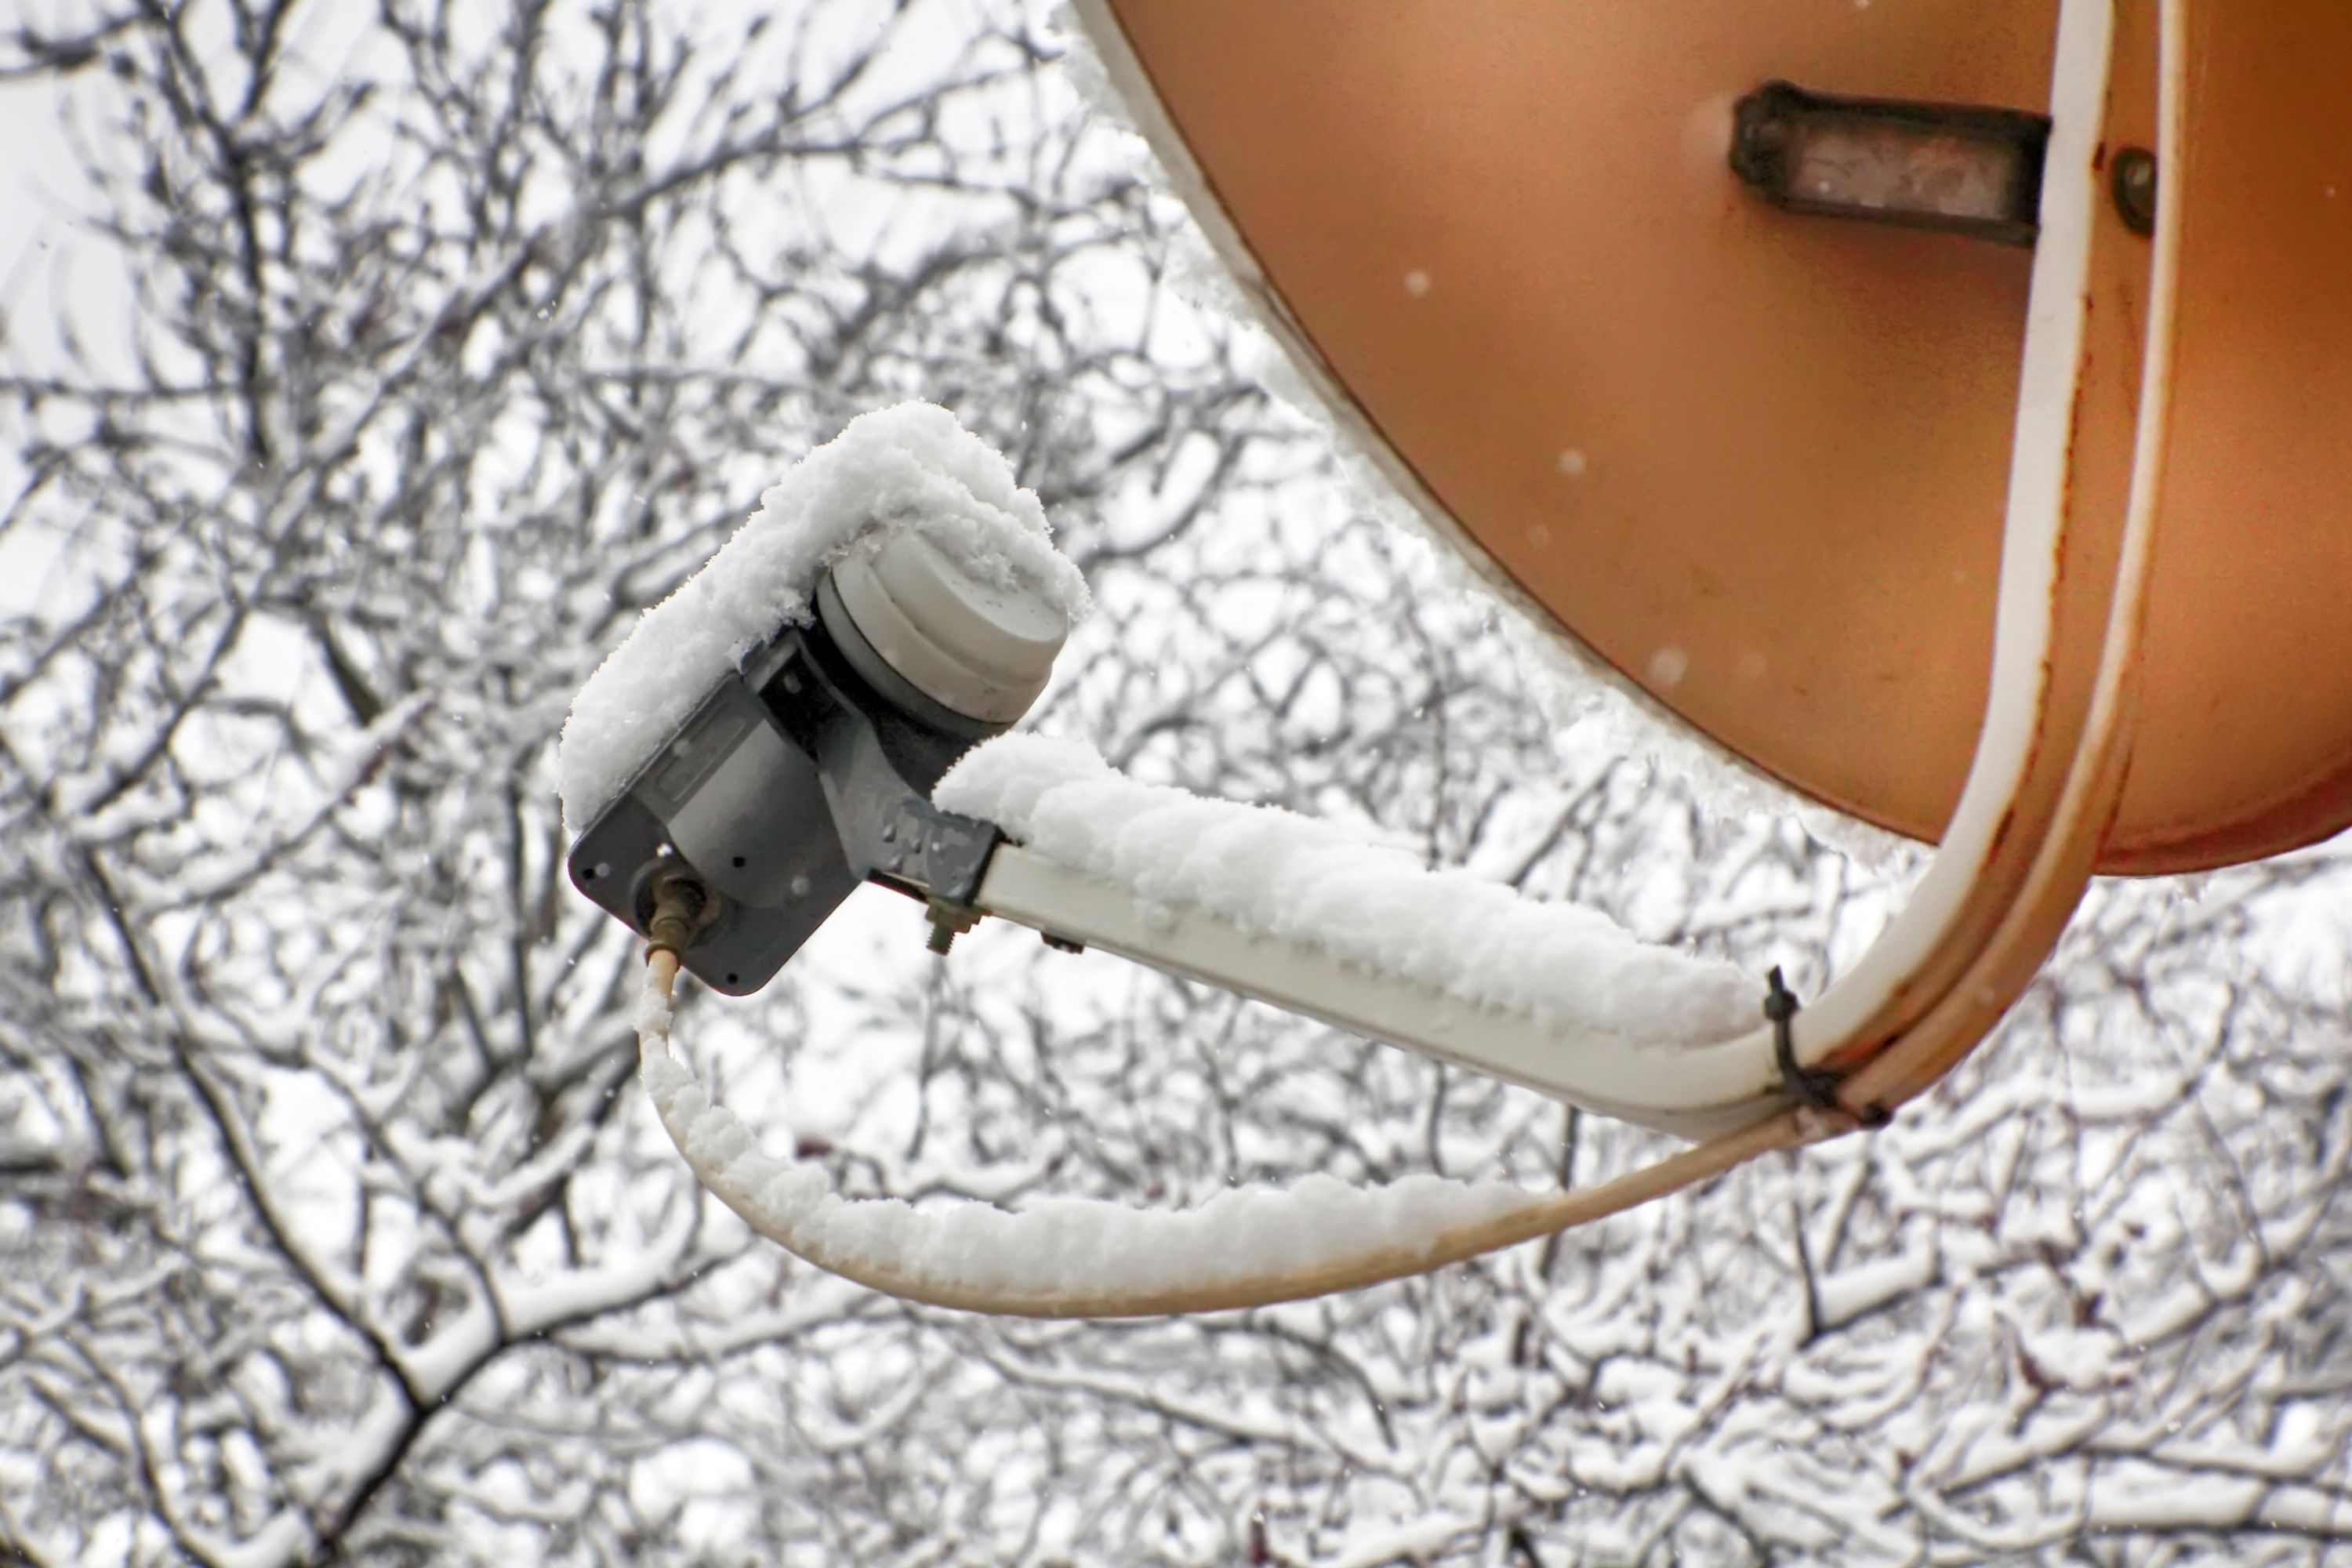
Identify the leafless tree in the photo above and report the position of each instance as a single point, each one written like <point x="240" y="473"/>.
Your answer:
<point x="401" y="354"/>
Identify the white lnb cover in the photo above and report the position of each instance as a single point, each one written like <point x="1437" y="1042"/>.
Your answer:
<point x="982" y="648"/>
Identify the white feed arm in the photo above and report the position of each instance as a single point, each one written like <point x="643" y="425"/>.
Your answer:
<point x="1692" y="1091"/>
<point x="1310" y="918"/>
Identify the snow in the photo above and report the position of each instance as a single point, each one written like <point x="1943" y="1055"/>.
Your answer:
<point x="1055" y="1251"/>
<point x="1403" y="1542"/>
<point x="343" y="776"/>
<point x="909" y="466"/>
<point x="1273" y="872"/>
<point x="1851" y="1293"/>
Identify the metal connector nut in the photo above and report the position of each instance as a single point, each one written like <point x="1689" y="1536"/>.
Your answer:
<point x="679" y="903"/>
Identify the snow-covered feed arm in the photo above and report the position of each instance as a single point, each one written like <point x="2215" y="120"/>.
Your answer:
<point x="778" y="728"/>
<point x="1313" y="918"/>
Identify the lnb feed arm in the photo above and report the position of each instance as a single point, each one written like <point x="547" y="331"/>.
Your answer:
<point x="814" y="767"/>
<point x="756" y="790"/>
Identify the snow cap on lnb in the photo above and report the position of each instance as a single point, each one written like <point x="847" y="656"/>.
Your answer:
<point x="907" y="470"/>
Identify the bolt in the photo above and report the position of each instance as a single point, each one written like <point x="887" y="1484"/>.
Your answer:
<point x="950" y="920"/>
<point x="2134" y="187"/>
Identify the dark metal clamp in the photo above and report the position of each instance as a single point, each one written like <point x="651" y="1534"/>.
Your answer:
<point x="1816" y="1089"/>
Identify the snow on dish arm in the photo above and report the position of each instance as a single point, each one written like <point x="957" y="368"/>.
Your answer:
<point x="1311" y="917"/>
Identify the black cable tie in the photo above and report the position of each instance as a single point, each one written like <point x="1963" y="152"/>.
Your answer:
<point x="1814" y="1087"/>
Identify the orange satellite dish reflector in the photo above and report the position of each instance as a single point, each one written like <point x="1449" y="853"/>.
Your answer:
<point x="1756" y="460"/>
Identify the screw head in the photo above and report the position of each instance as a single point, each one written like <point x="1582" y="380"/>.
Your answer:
<point x="2133" y="182"/>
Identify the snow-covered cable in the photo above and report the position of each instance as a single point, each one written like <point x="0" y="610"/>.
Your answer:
<point x="1072" y="1257"/>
